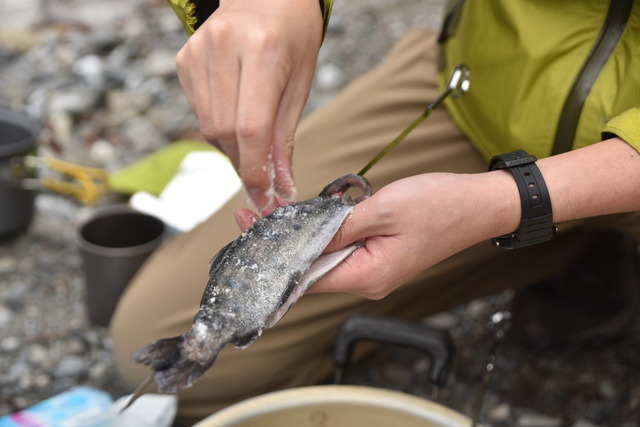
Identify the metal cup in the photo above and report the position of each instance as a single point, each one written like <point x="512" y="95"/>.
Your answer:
<point x="18" y="135"/>
<point x="114" y="242"/>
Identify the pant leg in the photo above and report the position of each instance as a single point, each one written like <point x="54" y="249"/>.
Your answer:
<point x="337" y="139"/>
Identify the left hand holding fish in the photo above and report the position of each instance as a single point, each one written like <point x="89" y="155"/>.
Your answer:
<point x="413" y="223"/>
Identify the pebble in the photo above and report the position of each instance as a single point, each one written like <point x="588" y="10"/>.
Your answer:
<point x="76" y="100"/>
<point x="6" y="316"/>
<point x="70" y="366"/>
<point x="500" y="413"/>
<point x="329" y="77"/>
<point x="531" y="419"/>
<point x="10" y="344"/>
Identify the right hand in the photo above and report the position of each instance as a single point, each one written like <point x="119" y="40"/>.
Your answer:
<point x="247" y="74"/>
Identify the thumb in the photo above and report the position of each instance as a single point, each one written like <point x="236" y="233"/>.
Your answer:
<point x="354" y="228"/>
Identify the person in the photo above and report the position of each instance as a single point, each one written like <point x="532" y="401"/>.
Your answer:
<point x="554" y="79"/>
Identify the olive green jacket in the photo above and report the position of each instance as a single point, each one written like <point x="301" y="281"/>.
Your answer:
<point x="192" y="13"/>
<point x="547" y="76"/>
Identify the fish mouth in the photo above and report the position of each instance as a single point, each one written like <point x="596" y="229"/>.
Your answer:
<point x="340" y="186"/>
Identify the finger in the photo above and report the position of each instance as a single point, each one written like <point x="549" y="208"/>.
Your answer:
<point x="245" y="218"/>
<point x="365" y="273"/>
<point x="287" y="118"/>
<point x="261" y="87"/>
<point x="364" y="222"/>
<point x="223" y="86"/>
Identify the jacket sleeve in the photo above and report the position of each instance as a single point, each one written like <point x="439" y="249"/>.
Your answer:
<point x="625" y="126"/>
<point x="192" y="13"/>
<point x="325" y="6"/>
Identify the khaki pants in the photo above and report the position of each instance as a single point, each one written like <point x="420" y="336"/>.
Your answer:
<point x="338" y="139"/>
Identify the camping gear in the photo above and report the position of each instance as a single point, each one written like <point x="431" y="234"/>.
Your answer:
<point x="18" y="135"/>
<point x="114" y="241"/>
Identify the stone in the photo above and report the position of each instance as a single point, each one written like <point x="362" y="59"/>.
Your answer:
<point x="533" y="419"/>
<point x="75" y="100"/>
<point x="70" y="366"/>
<point x="6" y="316"/>
<point x="329" y="77"/>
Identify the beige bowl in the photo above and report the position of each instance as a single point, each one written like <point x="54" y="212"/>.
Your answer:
<point x="336" y="406"/>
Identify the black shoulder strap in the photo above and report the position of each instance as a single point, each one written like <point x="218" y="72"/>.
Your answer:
<point x="614" y="25"/>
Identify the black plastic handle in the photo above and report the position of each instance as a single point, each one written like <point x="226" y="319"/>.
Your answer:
<point x="436" y="343"/>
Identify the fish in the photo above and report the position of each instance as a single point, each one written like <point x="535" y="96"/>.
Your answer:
<point x="254" y="281"/>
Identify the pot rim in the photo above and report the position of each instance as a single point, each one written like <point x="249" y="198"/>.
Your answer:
<point x="25" y="122"/>
<point x="281" y="400"/>
<point x="116" y="252"/>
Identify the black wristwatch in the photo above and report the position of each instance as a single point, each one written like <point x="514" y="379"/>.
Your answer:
<point x="536" y="223"/>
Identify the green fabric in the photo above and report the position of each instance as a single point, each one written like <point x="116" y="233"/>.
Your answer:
<point x="325" y="6"/>
<point x="524" y="57"/>
<point x="625" y="126"/>
<point x="154" y="172"/>
<point x="185" y="10"/>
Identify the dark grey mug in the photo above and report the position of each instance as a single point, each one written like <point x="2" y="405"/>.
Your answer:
<point x="114" y="242"/>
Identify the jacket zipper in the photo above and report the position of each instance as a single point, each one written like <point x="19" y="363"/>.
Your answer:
<point x="614" y="25"/>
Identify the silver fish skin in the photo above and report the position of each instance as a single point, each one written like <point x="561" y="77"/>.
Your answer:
<point x="253" y="281"/>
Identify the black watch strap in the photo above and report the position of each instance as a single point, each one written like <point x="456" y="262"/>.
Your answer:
<point x="536" y="223"/>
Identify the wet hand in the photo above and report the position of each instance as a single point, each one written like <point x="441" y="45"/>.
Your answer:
<point x="414" y="223"/>
<point x="247" y="73"/>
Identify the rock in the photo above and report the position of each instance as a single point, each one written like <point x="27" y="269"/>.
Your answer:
<point x="76" y="100"/>
<point x="160" y="63"/>
<point x="443" y="321"/>
<point x="103" y="153"/>
<point x="125" y="105"/>
<point x="143" y="137"/>
<point x="37" y="354"/>
<point x="70" y="366"/>
<point x="329" y="77"/>
<point x="20" y="14"/>
<point x="7" y="264"/>
<point x="9" y="344"/>
<point x="19" y="40"/>
<point x="500" y="413"/>
<point x="532" y="419"/>
<point x="91" y="69"/>
<point x="6" y="316"/>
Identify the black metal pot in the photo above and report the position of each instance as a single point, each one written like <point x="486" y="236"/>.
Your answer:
<point x="18" y="135"/>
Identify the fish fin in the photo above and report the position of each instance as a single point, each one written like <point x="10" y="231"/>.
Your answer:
<point x="321" y="266"/>
<point x="159" y="354"/>
<point x="216" y="258"/>
<point x="174" y="370"/>
<point x="246" y="340"/>
<point x="182" y="374"/>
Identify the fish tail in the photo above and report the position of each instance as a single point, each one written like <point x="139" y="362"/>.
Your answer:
<point x="174" y="370"/>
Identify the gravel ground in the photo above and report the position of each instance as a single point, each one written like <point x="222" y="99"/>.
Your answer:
<point x="108" y="93"/>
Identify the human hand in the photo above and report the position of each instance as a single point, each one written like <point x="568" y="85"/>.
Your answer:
<point x="247" y="73"/>
<point x="413" y="223"/>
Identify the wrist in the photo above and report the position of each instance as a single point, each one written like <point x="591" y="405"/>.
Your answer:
<point x="499" y="199"/>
